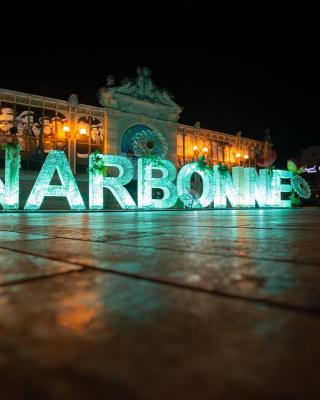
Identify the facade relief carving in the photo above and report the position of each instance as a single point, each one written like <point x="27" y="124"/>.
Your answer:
<point x="144" y="96"/>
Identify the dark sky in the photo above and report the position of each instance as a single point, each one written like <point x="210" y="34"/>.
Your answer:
<point x="230" y="69"/>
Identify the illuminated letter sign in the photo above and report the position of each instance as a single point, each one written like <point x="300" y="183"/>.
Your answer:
<point x="146" y="182"/>
<point x="98" y="181"/>
<point x="9" y="192"/>
<point x="224" y="188"/>
<point x="241" y="182"/>
<point x="277" y="187"/>
<point x="244" y="188"/>
<point x="184" y="181"/>
<point x="266" y="188"/>
<point x="55" y="161"/>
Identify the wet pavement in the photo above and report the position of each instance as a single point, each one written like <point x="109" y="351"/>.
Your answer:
<point x="216" y="304"/>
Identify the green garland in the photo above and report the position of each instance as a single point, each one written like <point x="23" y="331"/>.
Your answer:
<point x="295" y="200"/>
<point x="97" y="163"/>
<point x="223" y="169"/>
<point x="13" y="156"/>
<point x="10" y="145"/>
<point x="11" y="149"/>
<point x="203" y="165"/>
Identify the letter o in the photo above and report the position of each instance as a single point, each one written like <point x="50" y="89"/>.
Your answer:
<point x="184" y="179"/>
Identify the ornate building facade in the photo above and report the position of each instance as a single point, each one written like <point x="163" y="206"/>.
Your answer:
<point x="42" y="124"/>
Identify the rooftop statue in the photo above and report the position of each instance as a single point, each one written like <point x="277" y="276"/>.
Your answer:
<point x="142" y="87"/>
<point x="73" y="100"/>
<point x="110" y="81"/>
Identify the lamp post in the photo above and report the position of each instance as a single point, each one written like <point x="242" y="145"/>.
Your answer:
<point x="241" y="157"/>
<point x="205" y="152"/>
<point x="184" y="146"/>
<point x="196" y="151"/>
<point x="246" y="158"/>
<point x="238" y="157"/>
<point x="66" y="131"/>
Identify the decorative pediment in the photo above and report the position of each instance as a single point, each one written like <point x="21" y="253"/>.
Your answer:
<point x="140" y="96"/>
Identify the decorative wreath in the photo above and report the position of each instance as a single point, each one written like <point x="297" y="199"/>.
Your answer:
<point x="149" y="144"/>
<point x="300" y="186"/>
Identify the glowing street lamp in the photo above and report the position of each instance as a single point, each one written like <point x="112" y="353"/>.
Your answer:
<point x="82" y="131"/>
<point x="66" y="128"/>
<point x="246" y="156"/>
<point x="205" y="151"/>
<point x="238" y="157"/>
<point x="195" y="152"/>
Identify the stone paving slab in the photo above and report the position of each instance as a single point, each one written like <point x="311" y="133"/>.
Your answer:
<point x="284" y="249"/>
<point x="6" y="236"/>
<point x="216" y="304"/>
<point x="16" y="267"/>
<point x="282" y="283"/>
<point x="97" y="335"/>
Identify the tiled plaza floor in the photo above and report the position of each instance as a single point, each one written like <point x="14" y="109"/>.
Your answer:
<point x="160" y="305"/>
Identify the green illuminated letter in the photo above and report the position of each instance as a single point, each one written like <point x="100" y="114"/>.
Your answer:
<point x="55" y="161"/>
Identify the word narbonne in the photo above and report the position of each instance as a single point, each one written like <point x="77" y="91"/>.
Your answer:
<point x="245" y="188"/>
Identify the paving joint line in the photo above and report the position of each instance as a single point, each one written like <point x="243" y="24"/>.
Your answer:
<point x="184" y="286"/>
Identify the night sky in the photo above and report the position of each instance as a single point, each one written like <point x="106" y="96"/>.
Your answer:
<point x="231" y="70"/>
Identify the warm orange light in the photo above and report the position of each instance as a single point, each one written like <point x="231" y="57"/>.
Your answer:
<point x="238" y="155"/>
<point x="205" y="150"/>
<point x="246" y="156"/>
<point x="66" y="128"/>
<point x="195" y="148"/>
<point x="83" y="131"/>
